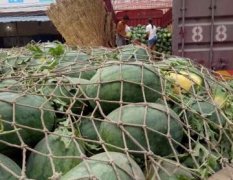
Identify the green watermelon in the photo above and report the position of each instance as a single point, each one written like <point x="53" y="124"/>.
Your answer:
<point x="10" y="64"/>
<point x="40" y="166"/>
<point x="87" y="128"/>
<point x="132" y="52"/>
<point x="133" y="118"/>
<point x="27" y="113"/>
<point x="16" y="61"/>
<point x="78" y="70"/>
<point x="58" y="58"/>
<point x="10" y="84"/>
<point x="103" y="54"/>
<point x="139" y="33"/>
<point x="6" y="162"/>
<point x="64" y="88"/>
<point x="106" y="84"/>
<point x="73" y="57"/>
<point x="169" y="171"/>
<point x="76" y="64"/>
<point x="201" y="110"/>
<point x="100" y="168"/>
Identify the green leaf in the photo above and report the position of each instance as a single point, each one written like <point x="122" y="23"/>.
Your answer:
<point x="65" y="123"/>
<point x="36" y="51"/>
<point x="60" y="102"/>
<point x="212" y="162"/>
<point x="93" y="147"/>
<point x="57" y="51"/>
<point x="63" y="131"/>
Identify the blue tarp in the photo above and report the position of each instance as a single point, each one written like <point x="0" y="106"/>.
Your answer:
<point x="23" y="19"/>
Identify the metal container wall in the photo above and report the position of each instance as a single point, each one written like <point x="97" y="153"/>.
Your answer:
<point x="203" y="31"/>
<point x="141" y="16"/>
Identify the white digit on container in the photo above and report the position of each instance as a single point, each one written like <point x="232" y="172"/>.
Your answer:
<point x="197" y="34"/>
<point x="221" y="33"/>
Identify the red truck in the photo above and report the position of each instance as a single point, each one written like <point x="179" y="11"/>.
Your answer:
<point x="140" y="16"/>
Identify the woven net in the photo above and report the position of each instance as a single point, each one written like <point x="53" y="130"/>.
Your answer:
<point x="99" y="113"/>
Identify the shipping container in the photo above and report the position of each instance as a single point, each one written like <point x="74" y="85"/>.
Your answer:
<point x="141" y="16"/>
<point x="203" y="31"/>
<point x="167" y="18"/>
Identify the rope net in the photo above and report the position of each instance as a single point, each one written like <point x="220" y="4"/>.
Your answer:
<point x="119" y="114"/>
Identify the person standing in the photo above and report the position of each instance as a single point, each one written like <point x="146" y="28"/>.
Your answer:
<point x="121" y="31"/>
<point x="128" y="34"/>
<point x="151" y="34"/>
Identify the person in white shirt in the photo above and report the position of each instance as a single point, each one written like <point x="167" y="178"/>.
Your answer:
<point x="128" y="34"/>
<point x="127" y="29"/>
<point x="151" y="34"/>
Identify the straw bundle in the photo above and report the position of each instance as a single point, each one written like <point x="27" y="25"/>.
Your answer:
<point x="82" y="22"/>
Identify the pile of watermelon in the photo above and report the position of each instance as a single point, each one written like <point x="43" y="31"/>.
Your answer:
<point x="164" y="38"/>
<point x="164" y="41"/>
<point x="99" y="113"/>
<point x="139" y="33"/>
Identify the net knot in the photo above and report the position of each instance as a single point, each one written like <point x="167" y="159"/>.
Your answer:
<point x="169" y="136"/>
<point x="46" y="131"/>
<point x="111" y="162"/>
<point x="24" y="146"/>
<point x="119" y="123"/>
<point x="83" y="157"/>
<point x="102" y="142"/>
<point x="149" y="154"/>
<point x="92" y="177"/>
<point x="56" y="176"/>
<point x="97" y="100"/>
<point x="144" y="126"/>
